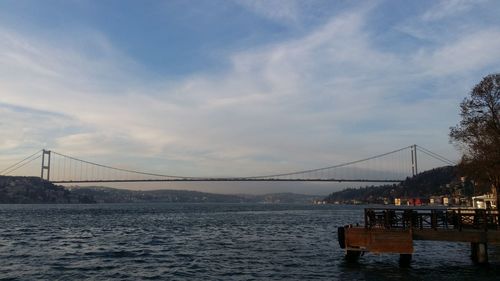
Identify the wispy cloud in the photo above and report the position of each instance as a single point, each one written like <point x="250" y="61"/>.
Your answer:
<point x="283" y="11"/>
<point x="448" y="8"/>
<point x="471" y="52"/>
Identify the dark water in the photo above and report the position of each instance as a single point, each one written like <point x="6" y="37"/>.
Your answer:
<point x="206" y="241"/>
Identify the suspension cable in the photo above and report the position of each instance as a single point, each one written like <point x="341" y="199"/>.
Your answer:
<point x="251" y="177"/>
<point x="122" y="170"/>
<point x="331" y="167"/>
<point x="24" y="164"/>
<point x="437" y="156"/>
<point x="18" y="165"/>
<point x="12" y="166"/>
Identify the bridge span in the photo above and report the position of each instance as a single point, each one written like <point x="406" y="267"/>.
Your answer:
<point x="390" y="167"/>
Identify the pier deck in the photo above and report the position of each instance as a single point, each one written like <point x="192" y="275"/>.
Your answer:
<point x="391" y="230"/>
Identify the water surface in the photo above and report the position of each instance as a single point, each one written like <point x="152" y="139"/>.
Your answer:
<point x="207" y="241"/>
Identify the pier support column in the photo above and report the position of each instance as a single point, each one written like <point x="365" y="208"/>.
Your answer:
<point x="479" y="253"/>
<point x="404" y="260"/>
<point x="352" y="256"/>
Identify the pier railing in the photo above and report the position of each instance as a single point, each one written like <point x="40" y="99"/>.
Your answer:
<point x="387" y="218"/>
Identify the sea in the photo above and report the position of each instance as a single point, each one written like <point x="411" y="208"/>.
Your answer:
<point x="208" y="242"/>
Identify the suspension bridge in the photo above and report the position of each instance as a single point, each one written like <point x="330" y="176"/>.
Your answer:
<point x="394" y="166"/>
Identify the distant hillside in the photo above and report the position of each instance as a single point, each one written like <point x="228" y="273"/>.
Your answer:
<point x="439" y="181"/>
<point x="25" y="190"/>
<point x="285" y="198"/>
<point x="113" y="195"/>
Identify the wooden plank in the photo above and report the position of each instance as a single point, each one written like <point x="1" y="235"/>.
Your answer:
<point x="391" y="241"/>
<point x="493" y="237"/>
<point x="476" y="236"/>
<point x="377" y="240"/>
<point x="356" y="237"/>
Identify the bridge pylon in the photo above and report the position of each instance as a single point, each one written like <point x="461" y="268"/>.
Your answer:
<point x="414" y="166"/>
<point x="45" y="171"/>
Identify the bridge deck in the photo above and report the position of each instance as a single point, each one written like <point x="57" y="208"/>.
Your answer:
<point x="228" y="179"/>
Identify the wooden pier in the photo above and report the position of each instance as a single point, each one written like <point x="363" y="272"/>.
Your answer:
<point x="391" y="230"/>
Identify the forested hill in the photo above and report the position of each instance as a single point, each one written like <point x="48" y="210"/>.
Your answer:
<point x="436" y="182"/>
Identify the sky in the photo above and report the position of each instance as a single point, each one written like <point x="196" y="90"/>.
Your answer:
<point x="242" y="87"/>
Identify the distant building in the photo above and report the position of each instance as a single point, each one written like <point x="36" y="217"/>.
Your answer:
<point x="446" y="201"/>
<point x="397" y="201"/>
<point x="436" y="200"/>
<point x="486" y="201"/>
<point x="417" y="202"/>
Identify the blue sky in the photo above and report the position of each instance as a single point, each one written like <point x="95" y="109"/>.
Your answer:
<point x="238" y="87"/>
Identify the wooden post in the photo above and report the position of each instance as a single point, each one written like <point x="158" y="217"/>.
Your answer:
<point x="366" y="218"/>
<point x="404" y="260"/>
<point x="479" y="253"/>
<point x="459" y="220"/>
<point x="352" y="256"/>
<point x="434" y="219"/>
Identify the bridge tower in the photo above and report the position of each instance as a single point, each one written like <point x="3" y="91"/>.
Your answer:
<point x="45" y="172"/>
<point x="414" y="166"/>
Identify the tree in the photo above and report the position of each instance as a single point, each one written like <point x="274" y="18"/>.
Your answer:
<point x="478" y="134"/>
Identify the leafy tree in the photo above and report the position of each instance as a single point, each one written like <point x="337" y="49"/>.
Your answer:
<point x="478" y="134"/>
